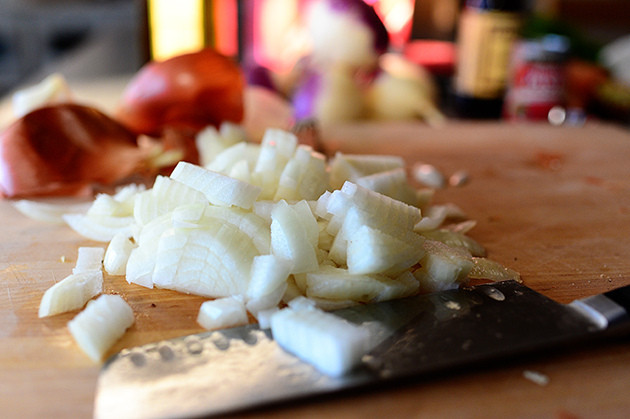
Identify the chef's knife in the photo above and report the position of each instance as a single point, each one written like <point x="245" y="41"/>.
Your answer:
<point x="229" y="370"/>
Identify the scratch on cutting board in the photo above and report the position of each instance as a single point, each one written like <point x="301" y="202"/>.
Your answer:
<point x="9" y="319"/>
<point x="13" y="269"/>
<point x="10" y="299"/>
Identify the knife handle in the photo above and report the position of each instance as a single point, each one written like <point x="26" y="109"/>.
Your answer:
<point x="609" y="311"/>
<point x="620" y="296"/>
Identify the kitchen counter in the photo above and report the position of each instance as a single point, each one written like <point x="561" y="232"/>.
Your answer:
<point x="550" y="202"/>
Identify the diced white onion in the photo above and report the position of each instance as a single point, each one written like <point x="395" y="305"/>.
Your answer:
<point x="117" y="254"/>
<point x="101" y="324"/>
<point x="49" y="212"/>
<point x="71" y="293"/>
<point x="222" y="312"/>
<point x="429" y="175"/>
<point x="89" y="258"/>
<point x="96" y="228"/>
<point x="331" y="344"/>
<point x="268" y="225"/>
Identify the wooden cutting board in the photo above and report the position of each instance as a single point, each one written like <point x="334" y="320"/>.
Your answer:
<point x="552" y="203"/>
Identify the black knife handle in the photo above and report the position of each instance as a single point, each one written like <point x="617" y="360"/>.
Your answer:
<point x="620" y="296"/>
<point x="610" y="311"/>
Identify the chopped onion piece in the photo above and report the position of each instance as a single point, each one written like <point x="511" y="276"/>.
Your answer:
<point x="117" y="254"/>
<point x="429" y="175"/>
<point x="291" y="239"/>
<point x="166" y="195"/>
<point x="219" y="189"/>
<point x="536" y="377"/>
<point x="456" y="239"/>
<point x="304" y="176"/>
<point x="373" y="251"/>
<point x="210" y="142"/>
<point x="459" y="178"/>
<point x="75" y="290"/>
<point x="89" y="259"/>
<point x="388" y="210"/>
<point x="49" y="212"/>
<point x="301" y="303"/>
<point x="213" y="261"/>
<point x="248" y="223"/>
<point x="331" y="344"/>
<point x="392" y="183"/>
<point x="436" y="215"/>
<point x="350" y="167"/>
<point x="337" y="284"/>
<point x="268" y="273"/>
<point x="71" y="293"/>
<point x="222" y="313"/>
<point x="99" y="228"/>
<point x="101" y="324"/>
<point x="267" y="301"/>
<point x="264" y="317"/>
<point x="140" y="266"/>
<point x="442" y="267"/>
<point x="484" y="268"/>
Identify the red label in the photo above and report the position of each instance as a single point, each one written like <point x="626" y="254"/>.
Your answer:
<point x="536" y="88"/>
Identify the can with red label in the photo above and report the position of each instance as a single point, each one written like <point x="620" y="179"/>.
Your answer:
<point x="536" y="82"/>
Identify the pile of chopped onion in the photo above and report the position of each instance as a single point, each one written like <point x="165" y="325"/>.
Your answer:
<point x="260" y="226"/>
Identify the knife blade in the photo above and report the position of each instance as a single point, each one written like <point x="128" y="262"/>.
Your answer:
<point x="229" y="370"/>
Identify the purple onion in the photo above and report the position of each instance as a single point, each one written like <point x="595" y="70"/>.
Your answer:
<point x="346" y="32"/>
<point x="368" y="16"/>
<point x="258" y="75"/>
<point x="305" y="96"/>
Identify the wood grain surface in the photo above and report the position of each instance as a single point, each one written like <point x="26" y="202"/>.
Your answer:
<point x="551" y="202"/>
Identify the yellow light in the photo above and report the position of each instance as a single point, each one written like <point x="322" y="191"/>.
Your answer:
<point x="280" y="38"/>
<point x="175" y="27"/>
<point x="397" y="14"/>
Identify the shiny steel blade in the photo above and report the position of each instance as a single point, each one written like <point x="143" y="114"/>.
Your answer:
<point x="233" y="369"/>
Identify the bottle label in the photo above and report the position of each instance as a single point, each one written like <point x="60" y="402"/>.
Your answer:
<point x="537" y="87"/>
<point x="484" y="45"/>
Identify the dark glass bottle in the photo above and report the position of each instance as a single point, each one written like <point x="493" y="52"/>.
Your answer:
<point x="486" y="34"/>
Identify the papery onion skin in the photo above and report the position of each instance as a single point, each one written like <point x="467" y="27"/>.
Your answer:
<point x="187" y="92"/>
<point x="64" y="149"/>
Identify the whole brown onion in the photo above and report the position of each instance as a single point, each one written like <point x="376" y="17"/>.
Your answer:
<point x="187" y="92"/>
<point x="64" y="149"/>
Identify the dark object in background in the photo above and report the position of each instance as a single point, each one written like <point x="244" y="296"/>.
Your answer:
<point x="78" y="38"/>
<point x="487" y="31"/>
<point x="67" y="40"/>
<point x="611" y="101"/>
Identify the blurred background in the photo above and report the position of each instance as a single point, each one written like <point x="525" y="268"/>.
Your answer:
<point x="103" y="38"/>
<point x="77" y="37"/>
